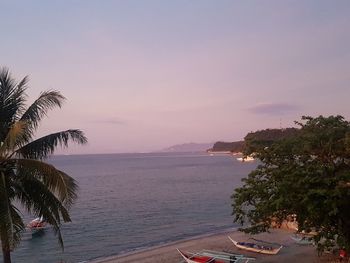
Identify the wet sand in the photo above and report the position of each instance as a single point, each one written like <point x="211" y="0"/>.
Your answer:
<point x="290" y="253"/>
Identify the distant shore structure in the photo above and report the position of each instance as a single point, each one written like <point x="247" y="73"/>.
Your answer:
<point x="245" y="159"/>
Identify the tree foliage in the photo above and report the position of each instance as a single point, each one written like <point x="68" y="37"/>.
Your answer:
<point x="228" y="146"/>
<point x="25" y="178"/>
<point x="306" y="175"/>
<point x="255" y="141"/>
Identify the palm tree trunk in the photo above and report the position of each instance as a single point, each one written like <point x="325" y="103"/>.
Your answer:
<point x="5" y="244"/>
<point x="6" y="253"/>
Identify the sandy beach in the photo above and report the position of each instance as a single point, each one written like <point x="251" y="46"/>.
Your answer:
<point x="168" y="253"/>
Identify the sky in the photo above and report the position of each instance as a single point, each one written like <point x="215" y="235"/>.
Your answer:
<point x="140" y="76"/>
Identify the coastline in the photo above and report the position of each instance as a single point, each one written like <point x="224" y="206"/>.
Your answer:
<point x="145" y="249"/>
<point x="219" y="241"/>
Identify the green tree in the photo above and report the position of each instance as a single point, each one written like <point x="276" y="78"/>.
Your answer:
<point x="25" y="178"/>
<point x="306" y="175"/>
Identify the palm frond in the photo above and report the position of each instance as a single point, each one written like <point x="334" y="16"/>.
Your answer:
<point x="39" y="200"/>
<point x="58" y="182"/>
<point x="44" y="146"/>
<point x="11" y="224"/>
<point x="17" y="226"/>
<point x="13" y="138"/>
<point x="12" y="100"/>
<point x="23" y="83"/>
<point x="46" y="101"/>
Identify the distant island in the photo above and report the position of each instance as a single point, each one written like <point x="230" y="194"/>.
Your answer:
<point x="188" y="147"/>
<point x="261" y="138"/>
<point x="227" y="147"/>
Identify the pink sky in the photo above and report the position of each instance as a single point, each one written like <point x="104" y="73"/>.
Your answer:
<point x="141" y="77"/>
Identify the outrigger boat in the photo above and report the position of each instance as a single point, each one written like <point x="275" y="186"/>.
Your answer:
<point x="36" y="225"/>
<point x="256" y="248"/>
<point x="208" y="256"/>
<point x="302" y="239"/>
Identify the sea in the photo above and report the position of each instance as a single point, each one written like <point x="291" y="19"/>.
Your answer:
<point x="130" y="202"/>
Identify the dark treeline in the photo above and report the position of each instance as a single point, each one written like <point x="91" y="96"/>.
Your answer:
<point x="228" y="147"/>
<point x="254" y="140"/>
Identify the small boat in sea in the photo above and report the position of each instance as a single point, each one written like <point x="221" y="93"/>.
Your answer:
<point x="269" y="250"/>
<point x="36" y="225"/>
<point x="206" y="256"/>
<point x="245" y="159"/>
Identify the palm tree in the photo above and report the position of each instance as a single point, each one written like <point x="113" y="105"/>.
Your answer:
<point x="25" y="178"/>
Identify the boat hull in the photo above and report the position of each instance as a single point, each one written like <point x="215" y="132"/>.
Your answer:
<point x="300" y="240"/>
<point x="257" y="249"/>
<point x="198" y="258"/>
<point x="36" y="226"/>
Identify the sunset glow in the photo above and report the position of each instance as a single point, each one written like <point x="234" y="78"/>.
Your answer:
<point x="143" y="75"/>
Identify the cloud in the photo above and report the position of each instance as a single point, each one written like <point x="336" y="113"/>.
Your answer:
<point x="274" y="108"/>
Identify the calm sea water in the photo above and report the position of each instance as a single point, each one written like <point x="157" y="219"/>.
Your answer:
<point x="132" y="201"/>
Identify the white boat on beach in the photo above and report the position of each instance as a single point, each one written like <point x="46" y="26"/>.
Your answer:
<point x="197" y="258"/>
<point x="302" y="239"/>
<point x="206" y="256"/>
<point x="255" y="247"/>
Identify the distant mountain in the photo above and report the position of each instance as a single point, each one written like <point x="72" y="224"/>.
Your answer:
<point x="189" y="147"/>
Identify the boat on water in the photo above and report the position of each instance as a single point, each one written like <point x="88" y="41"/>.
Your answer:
<point x="36" y="225"/>
<point x="206" y="256"/>
<point x="245" y="159"/>
<point x="255" y="247"/>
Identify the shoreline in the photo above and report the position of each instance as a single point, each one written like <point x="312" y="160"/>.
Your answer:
<point x="218" y="241"/>
<point x="143" y="249"/>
